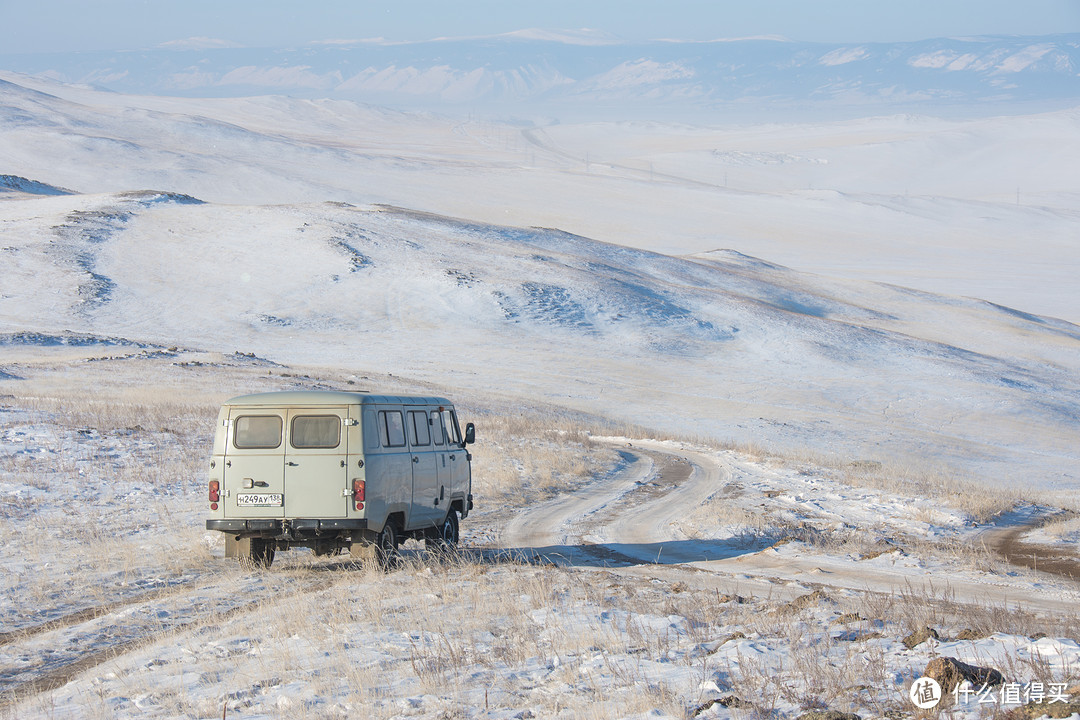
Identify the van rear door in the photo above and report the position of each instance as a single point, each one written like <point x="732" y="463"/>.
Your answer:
<point x="315" y="454"/>
<point x="254" y="472"/>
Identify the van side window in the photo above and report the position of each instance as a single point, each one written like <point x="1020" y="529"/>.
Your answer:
<point x="315" y="431"/>
<point x="391" y="428"/>
<point x="418" y="428"/>
<point x="257" y="432"/>
<point x="437" y="432"/>
<point x="450" y="424"/>
<point x="371" y="431"/>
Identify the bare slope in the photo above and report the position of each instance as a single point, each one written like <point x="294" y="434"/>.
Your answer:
<point x="719" y="344"/>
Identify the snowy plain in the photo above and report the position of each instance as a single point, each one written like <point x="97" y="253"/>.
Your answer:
<point x="889" y="294"/>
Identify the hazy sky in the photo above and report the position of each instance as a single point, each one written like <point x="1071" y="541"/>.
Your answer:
<point x="58" y="25"/>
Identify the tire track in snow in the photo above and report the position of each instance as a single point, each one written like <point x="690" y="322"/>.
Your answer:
<point x="37" y="663"/>
<point x="558" y="521"/>
<point x="627" y="518"/>
<point x="90" y="613"/>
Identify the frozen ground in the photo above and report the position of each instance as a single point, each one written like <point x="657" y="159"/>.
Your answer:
<point x="671" y="580"/>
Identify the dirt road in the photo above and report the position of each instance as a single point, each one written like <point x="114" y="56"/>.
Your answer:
<point x="628" y="522"/>
<point x="1010" y="543"/>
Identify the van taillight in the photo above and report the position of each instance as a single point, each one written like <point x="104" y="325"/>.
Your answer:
<point x="215" y="491"/>
<point x="358" y="493"/>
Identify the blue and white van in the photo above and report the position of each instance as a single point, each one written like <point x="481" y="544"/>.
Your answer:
<point x="333" y="471"/>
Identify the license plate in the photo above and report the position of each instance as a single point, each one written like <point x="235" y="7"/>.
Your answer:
<point x="260" y="500"/>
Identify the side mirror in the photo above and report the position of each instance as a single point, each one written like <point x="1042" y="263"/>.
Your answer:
<point x="470" y="434"/>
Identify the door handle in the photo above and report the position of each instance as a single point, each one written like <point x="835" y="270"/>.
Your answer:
<point x="416" y="459"/>
<point x="292" y="464"/>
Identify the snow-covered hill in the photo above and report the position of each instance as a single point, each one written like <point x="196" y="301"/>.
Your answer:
<point x="719" y="343"/>
<point x="984" y="207"/>
<point x="533" y="69"/>
<point x="266" y="225"/>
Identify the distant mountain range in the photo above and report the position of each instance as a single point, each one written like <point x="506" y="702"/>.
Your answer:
<point x="587" y="70"/>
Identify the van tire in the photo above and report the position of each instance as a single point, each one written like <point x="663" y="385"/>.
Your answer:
<point x="445" y="538"/>
<point x="386" y="546"/>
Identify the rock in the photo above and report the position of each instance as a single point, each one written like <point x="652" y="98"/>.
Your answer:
<point x="950" y="672"/>
<point x="920" y="636"/>
<point x="828" y="715"/>
<point x="806" y="601"/>
<point x="848" y="618"/>
<point x="879" y="548"/>
<point x="969" y="634"/>
<point x="801" y="603"/>
<point x="728" y="701"/>
<point x="1037" y="710"/>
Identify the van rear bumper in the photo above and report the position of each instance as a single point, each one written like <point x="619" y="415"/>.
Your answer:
<point x="278" y="527"/>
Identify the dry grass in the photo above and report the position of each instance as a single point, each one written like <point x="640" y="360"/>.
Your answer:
<point x="505" y="637"/>
<point x="1064" y="528"/>
<point x="525" y="457"/>
<point x="980" y="502"/>
<point x="467" y="637"/>
<point x="583" y="645"/>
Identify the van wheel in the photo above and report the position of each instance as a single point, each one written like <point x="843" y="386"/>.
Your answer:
<point x="386" y="547"/>
<point x="257" y="553"/>
<point x="446" y="537"/>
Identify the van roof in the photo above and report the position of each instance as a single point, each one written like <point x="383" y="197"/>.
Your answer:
<point x="331" y="397"/>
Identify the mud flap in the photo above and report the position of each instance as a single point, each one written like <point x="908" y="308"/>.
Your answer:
<point x="362" y="550"/>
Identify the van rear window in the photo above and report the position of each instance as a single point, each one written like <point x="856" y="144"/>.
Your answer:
<point x="315" y="431"/>
<point x="253" y="432"/>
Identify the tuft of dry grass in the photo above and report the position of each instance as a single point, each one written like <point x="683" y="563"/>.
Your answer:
<point x="524" y="457"/>
<point x="1067" y="526"/>
<point x="979" y="502"/>
<point x="908" y="478"/>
